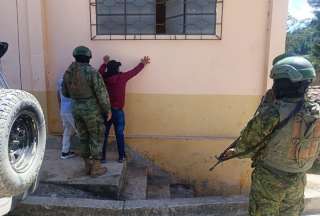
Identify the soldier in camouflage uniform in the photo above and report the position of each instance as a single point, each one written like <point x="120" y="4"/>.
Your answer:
<point x="282" y="140"/>
<point x="84" y="85"/>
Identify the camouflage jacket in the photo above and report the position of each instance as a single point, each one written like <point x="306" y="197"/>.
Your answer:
<point x="261" y="125"/>
<point x="82" y="81"/>
<point x="253" y="137"/>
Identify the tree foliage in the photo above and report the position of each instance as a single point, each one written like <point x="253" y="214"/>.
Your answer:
<point x="306" y="39"/>
<point x="315" y="49"/>
<point x="314" y="3"/>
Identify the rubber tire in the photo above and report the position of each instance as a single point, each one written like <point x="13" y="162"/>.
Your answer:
<point x="12" y="103"/>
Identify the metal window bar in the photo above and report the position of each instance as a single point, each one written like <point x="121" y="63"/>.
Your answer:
<point x="217" y="36"/>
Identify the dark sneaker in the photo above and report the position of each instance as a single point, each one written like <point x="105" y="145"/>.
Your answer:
<point x="67" y="155"/>
<point x="122" y="160"/>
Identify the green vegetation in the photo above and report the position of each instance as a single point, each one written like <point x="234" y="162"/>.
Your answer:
<point x="304" y="38"/>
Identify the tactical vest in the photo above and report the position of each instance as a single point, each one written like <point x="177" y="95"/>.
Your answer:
<point x="294" y="147"/>
<point x="78" y="82"/>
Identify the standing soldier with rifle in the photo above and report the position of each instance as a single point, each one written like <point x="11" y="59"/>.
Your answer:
<point x="85" y="86"/>
<point x="283" y="141"/>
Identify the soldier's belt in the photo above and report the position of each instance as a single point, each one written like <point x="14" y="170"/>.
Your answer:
<point x="83" y="99"/>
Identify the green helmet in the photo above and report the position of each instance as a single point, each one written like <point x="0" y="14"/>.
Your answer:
<point x="282" y="56"/>
<point x="294" y="68"/>
<point x="82" y="51"/>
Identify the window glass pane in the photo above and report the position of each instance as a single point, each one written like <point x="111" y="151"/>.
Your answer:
<point x="144" y="24"/>
<point x="200" y="24"/>
<point x="200" y="6"/>
<point x="141" y="7"/>
<point x="174" y="25"/>
<point x="174" y="8"/>
<point x="110" y="7"/>
<point x="107" y="25"/>
<point x="174" y="16"/>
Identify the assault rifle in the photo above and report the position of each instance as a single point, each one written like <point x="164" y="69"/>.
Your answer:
<point x="258" y="148"/>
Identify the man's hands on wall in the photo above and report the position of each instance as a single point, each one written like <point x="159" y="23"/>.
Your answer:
<point x="145" y="60"/>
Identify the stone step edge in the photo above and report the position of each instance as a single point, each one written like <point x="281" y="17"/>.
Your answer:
<point x="235" y="205"/>
<point x="92" y="187"/>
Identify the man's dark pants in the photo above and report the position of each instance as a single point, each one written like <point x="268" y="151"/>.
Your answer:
<point x="118" y="120"/>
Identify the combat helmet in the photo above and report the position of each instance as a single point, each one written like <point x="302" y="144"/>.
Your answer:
<point x="294" y="68"/>
<point x="82" y="51"/>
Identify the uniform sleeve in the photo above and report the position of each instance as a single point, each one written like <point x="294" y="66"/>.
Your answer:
<point x="64" y="87"/>
<point x="257" y="129"/>
<point x="101" y="92"/>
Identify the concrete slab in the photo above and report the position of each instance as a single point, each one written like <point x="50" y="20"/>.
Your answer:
<point x="209" y="206"/>
<point x="63" y="191"/>
<point x="136" y="184"/>
<point x="158" y="187"/>
<point x="205" y="206"/>
<point x="48" y="206"/>
<point x="54" y="142"/>
<point x="159" y="191"/>
<point x="71" y="172"/>
<point x="181" y="191"/>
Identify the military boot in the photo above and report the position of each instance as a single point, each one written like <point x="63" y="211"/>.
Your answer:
<point x="97" y="169"/>
<point x="87" y="165"/>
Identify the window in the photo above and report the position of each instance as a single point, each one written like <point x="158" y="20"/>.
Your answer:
<point x="156" y="19"/>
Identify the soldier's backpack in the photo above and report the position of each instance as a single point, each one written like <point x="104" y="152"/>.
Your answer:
<point x="295" y="146"/>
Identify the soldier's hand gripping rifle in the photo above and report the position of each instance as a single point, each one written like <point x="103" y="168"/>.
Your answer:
<point x="224" y="157"/>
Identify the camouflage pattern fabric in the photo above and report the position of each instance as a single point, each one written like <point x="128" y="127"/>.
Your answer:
<point x="82" y="81"/>
<point x="313" y="95"/>
<point x="276" y="194"/>
<point x="257" y="129"/>
<point x="85" y="86"/>
<point x="90" y="125"/>
<point x="273" y="193"/>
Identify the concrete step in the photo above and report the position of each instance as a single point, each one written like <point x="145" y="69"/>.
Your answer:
<point x="158" y="187"/>
<point x="213" y="206"/>
<point x="181" y="191"/>
<point x="205" y="206"/>
<point x="135" y="187"/>
<point x="65" y="191"/>
<point x="71" y="173"/>
<point x="54" y="142"/>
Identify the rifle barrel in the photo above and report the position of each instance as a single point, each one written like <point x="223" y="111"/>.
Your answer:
<point x="214" y="166"/>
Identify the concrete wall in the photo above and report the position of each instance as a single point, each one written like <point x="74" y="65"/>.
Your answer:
<point x="22" y="28"/>
<point x="192" y="88"/>
<point x="9" y="34"/>
<point x="232" y="67"/>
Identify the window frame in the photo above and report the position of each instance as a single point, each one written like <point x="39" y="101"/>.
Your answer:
<point x="216" y="36"/>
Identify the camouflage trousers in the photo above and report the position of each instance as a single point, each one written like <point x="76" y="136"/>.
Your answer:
<point x="90" y="126"/>
<point x="275" y="193"/>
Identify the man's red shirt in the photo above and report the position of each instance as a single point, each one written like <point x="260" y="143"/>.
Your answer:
<point x="116" y="85"/>
<point x="103" y="68"/>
